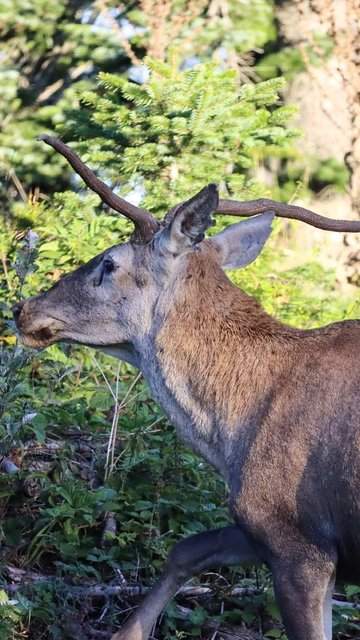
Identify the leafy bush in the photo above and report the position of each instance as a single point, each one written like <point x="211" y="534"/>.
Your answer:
<point x="82" y="503"/>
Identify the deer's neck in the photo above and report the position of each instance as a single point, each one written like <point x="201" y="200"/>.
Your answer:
<point x="215" y="361"/>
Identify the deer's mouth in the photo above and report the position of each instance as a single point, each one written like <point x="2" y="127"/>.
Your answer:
<point x="40" y="338"/>
<point x="37" y="329"/>
<point x="40" y="334"/>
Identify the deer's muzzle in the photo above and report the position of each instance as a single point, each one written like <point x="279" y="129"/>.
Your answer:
<point x="35" y="329"/>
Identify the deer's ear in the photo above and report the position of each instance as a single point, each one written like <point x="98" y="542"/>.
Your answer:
<point x="241" y="243"/>
<point x="190" y="221"/>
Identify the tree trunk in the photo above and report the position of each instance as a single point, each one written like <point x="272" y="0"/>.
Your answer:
<point x="328" y="92"/>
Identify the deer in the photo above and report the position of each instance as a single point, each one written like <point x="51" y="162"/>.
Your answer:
<point x="274" y="408"/>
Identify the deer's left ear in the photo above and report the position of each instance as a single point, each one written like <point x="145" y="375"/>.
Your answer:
<point x="241" y="243"/>
<point x="190" y="221"/>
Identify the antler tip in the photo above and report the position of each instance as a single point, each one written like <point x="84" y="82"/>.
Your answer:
<point x="43" y="137"/>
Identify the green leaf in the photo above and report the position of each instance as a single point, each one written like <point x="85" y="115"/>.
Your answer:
<point x="38" y="425"/>
<point x="198" y="616"/>
<point x="352" y="590"/>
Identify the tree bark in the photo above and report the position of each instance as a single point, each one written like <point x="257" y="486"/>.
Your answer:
<point x="328" y="93"/>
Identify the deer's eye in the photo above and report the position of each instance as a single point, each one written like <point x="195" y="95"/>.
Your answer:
<point x="108" y="265"/>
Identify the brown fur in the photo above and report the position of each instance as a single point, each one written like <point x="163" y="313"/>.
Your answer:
<point x="214" y="339"/>
<point x="221" y="353"/>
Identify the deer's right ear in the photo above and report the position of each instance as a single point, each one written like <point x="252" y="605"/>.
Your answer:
<point x="190" y="221"/>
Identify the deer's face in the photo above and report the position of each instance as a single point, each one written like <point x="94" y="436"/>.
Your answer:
<point x="105" y="302"/>
<point x="111" y="300"/>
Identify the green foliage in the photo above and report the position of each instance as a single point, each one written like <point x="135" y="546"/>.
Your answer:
<point x="56" y="505"/>
<point x="50" y="51"/>
<point x="154" y="135"/>
<point x="246" y="27"/>
<point x="161" y="141"/>
<point x="318" y="175"/>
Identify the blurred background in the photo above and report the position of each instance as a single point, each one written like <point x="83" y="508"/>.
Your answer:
<point x="159" y="98"/>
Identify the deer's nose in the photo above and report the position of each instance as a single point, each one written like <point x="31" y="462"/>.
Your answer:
<point x="16" y="310"/>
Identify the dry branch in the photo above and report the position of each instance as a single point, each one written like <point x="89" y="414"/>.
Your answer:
<point x="21" y="577"/>
<point x="117" y="30"/>
<point x="345" y="604"/>
<point x="219" y="630"/>
<point x="8" y="466"/>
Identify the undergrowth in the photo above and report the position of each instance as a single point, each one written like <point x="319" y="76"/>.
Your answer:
<point x="86" y="508"/>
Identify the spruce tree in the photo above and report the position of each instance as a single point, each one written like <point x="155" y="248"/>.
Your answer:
<point x="179" y="130"/>
<point x="51" y="50"/>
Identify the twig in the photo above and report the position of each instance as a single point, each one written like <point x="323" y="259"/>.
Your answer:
<point x="56" y="86"/>
<point x="117" y="29"/>
<point x="10" y="171"/>
<point x="21" y="577"/>
<point x="109" y="532"/>
<point x="96" y="362"/>
<point x="94" y="591"/>
<point x="6" y="273"/>
<point x="110" y="453"/>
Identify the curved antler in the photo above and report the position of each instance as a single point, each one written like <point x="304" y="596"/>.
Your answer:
<point x="145" y="224"/>
<point x="281" y="210"/>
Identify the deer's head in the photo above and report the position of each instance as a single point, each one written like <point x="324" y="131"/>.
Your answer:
<point x="111" y="299"/>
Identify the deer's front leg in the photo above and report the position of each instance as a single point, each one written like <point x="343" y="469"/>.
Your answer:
<point x="227" y="546"/>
